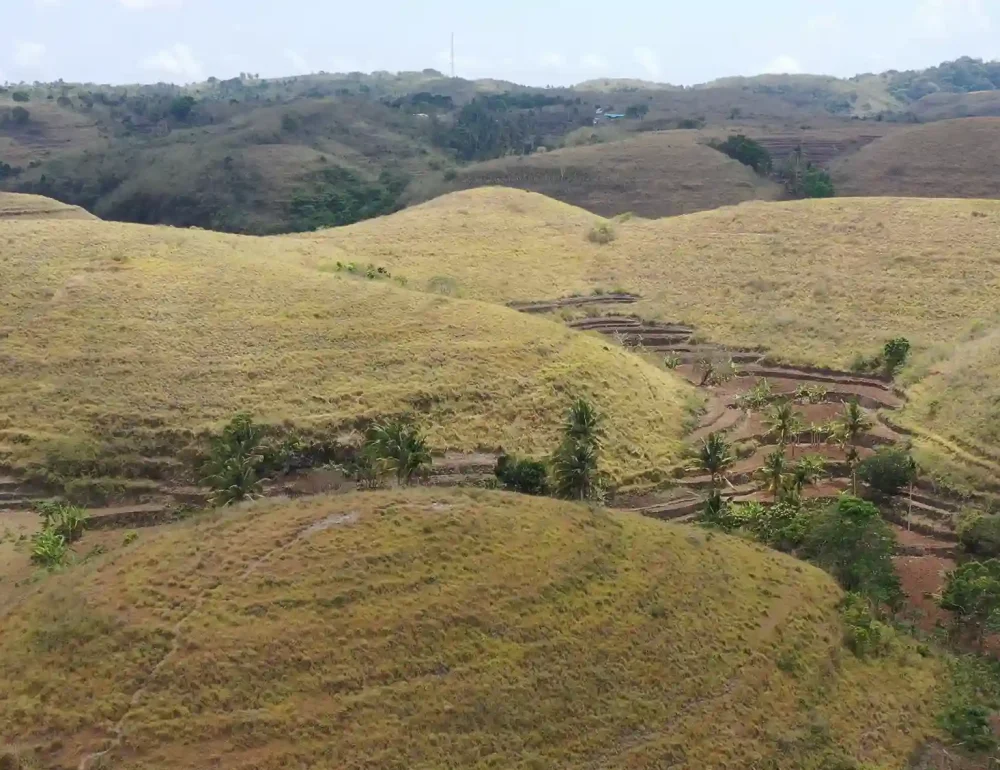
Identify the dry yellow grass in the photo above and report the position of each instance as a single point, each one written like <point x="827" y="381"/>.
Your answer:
<point x="38" y="207"/>
<point x="122" y="340"/>
<point x="652" y="175"/>
<point x="952" y="158"/>
<point x="814" y="282"/>
<point x="431" y="628"/>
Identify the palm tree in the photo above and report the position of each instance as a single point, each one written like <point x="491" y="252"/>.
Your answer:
<point x="715" y="457"/>
<point x="784" y="423"/>
<point x="575" y="463"/>
<point x="808" y="470"/>
<point x="584" y="424"/>
<point x="574" y="470"/>
<point x="853" y="423"/>
<point x="773" y="473"/>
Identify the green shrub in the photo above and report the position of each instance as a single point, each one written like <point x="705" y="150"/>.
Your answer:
<point x="979" y="533"/>
<point x="529" y="477"/>
<point x="671" y="361"/>
<point x="888" y="471"/>
<point x="20" y="96"/>
<point x="851" y="541"/>
<point x="817" y="183"/>
<point x="48" y="548"/>
<point x="863" y="634"/>
<point x="757" y="398"/>
<point x="894" y="355"/>
<point x="450" y="175"/>
<point x="782" y="526"/>
<point x="68" y="521"/>
<point x="746" y="151"/>
<point x="20" y="116"/>
<point x="400" y="447"/>
<point x="970" y="726"/>
<point x="972" y="593"/>
<point x="602" y="233"/>
<point x="236" y="461"/>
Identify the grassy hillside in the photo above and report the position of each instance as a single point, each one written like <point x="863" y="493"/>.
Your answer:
<point x="121" y="342"/>
<point x="805" y="279"/>
<point x="651" y="175"/>
<point x="942" y="106"/>
<point x="814" y="282"/>
<point x="432" y="628"/>
<point x="949" y="159"/>
<point x="37" y="207"/>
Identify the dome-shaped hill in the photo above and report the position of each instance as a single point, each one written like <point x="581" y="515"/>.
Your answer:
<point x="17" y="206"/>
<point x="655" y="174"/>
<point x="120" y="341"/>
<point x="946" y="159"/>
<point x="442" y="628"/>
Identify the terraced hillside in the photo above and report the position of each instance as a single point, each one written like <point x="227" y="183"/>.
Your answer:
<point x="947" y="159"/>
<point x="807" y="282"/>
<point x="122" y="343"/>
<point x="432" y="628"/>
<point x="651" y="175"/>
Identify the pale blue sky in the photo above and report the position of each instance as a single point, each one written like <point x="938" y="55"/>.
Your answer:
<point x="537" y="42"/>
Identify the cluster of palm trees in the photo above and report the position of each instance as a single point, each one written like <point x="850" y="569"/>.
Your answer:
<point x="782" y="475"/>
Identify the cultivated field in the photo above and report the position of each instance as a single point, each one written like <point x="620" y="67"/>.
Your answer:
<point x="122" y="343"/>
<point x="949" y="159"/>
<point x="446" y="628"/>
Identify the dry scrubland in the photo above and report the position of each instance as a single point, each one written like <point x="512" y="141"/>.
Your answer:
<point x="953" y="158"/>
<point x="123" y="341"/>
<point x="450" y="628"/>
<point x="651" y="175"/>
<point x="813" y="282"/>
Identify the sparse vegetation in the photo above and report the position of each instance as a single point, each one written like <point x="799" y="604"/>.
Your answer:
<point x="979" y="533"/>
<point x="602" y="233"/>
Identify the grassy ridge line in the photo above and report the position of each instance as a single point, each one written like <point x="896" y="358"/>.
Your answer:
<point x="433" y="627"/>
<point x="127" y="341"/>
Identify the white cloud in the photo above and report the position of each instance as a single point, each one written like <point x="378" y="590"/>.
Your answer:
<point x="593" y="61"/>
<point x="783" y="65"/>
<point x="28" y="55"/>
<point x="149" y="5"/>
<point x="551" y="60"/>
<point x="177" y="63"/>
<point x="941" y="19"/>
<point x="648" y="60"/>
<point x="298" y="62"/>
